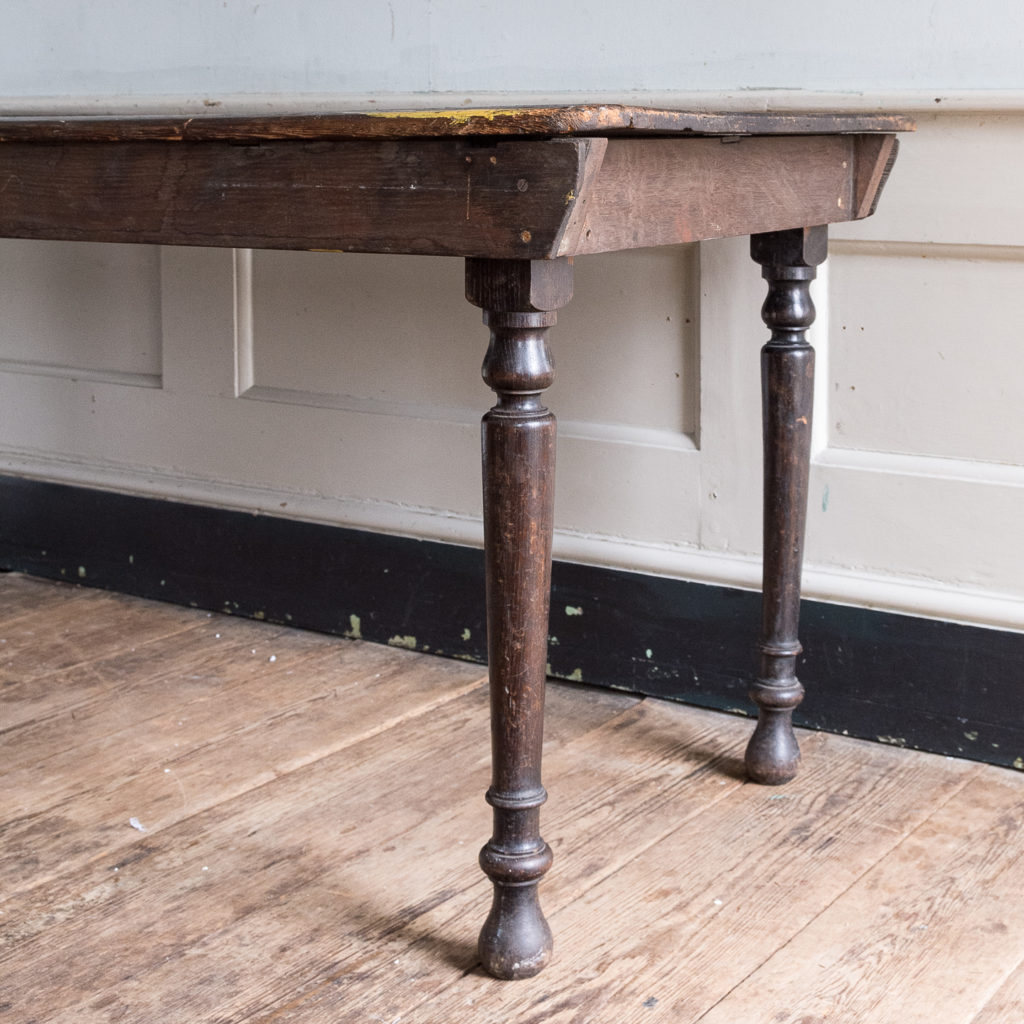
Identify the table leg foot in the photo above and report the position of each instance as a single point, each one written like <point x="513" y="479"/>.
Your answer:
<point x="789" y="260"/>
<point x="515" y="941"/>
<point x="519" y="298"/>
<point x="773" y="755"/>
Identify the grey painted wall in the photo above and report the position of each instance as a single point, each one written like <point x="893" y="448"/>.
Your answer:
<point x="215" y="47"/>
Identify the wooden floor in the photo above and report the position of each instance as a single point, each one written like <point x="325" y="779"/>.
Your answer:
<point x="213" y="820"/>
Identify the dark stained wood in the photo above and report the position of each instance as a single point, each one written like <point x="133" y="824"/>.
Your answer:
<point x="666" y="191"/>
<point x="582" y="119"/>
<point x="529" y="199"/>
<point x="519" y="300"/>
<point x="453" y="197"/>
<point x="875" y="155"/>
<point x="524" y="199"/>
<point x="789" y="260"/>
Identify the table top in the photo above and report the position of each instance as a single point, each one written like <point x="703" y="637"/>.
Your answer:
<point x="604" y="120"/>
<point x="516" y="183"/>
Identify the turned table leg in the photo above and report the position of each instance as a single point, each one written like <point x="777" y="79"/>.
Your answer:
<point x="788" y="260"/>
<point x="519" y="298"/>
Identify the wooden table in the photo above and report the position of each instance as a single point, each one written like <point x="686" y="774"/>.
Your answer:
<point x="518" y="193"/>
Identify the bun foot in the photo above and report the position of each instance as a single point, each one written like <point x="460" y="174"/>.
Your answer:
<point x="773" y="756"/>
<point x="515" y="941"/>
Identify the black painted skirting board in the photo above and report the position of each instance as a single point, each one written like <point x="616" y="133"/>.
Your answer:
<point x="937" y="686"/>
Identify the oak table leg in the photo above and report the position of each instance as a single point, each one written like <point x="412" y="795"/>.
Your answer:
<point x="519" y="298"/>
<point x="788" y="260"/>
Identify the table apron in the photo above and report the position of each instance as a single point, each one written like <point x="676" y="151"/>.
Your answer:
<point x="503" y="199"/>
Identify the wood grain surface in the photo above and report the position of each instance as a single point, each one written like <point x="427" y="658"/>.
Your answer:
<point x="667" y="191"/>
<point x="311" y="827"/>
<point x="419" y="196"/>
<point x="503" y="184"/>
<point x="542" y="122"/>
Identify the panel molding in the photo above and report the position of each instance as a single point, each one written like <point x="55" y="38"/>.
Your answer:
<point x="585" y="430"/>
<point x="913" y="453"/>
<point x="924" y="250"/>
<point x="81" y="373"/>
<point x="121" y="315"/>
<point x="359" y="404"/>
<point x="934" y="467"/>
<point x="244" y="335"/>
<point x="247" y="387"/>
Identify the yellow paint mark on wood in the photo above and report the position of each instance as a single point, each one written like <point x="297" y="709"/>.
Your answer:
<point x="354" y="632"/>
<point x="455" y="116"/>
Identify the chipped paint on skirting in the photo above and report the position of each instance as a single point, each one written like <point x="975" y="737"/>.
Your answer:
<point x="894" y="741"/>
<point x="408" y="642"/>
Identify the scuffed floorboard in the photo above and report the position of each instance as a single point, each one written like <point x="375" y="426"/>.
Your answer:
<point x="205" y="819"/>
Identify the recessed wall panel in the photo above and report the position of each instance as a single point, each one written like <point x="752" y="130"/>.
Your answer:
<point x="625" y="348"/>
<point x="925" y="354"/>
<point x="82" y="307"/>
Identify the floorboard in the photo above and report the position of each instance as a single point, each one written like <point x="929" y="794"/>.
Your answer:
<point x="207" y="819"/>
<point x="1007" y="1005"/>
